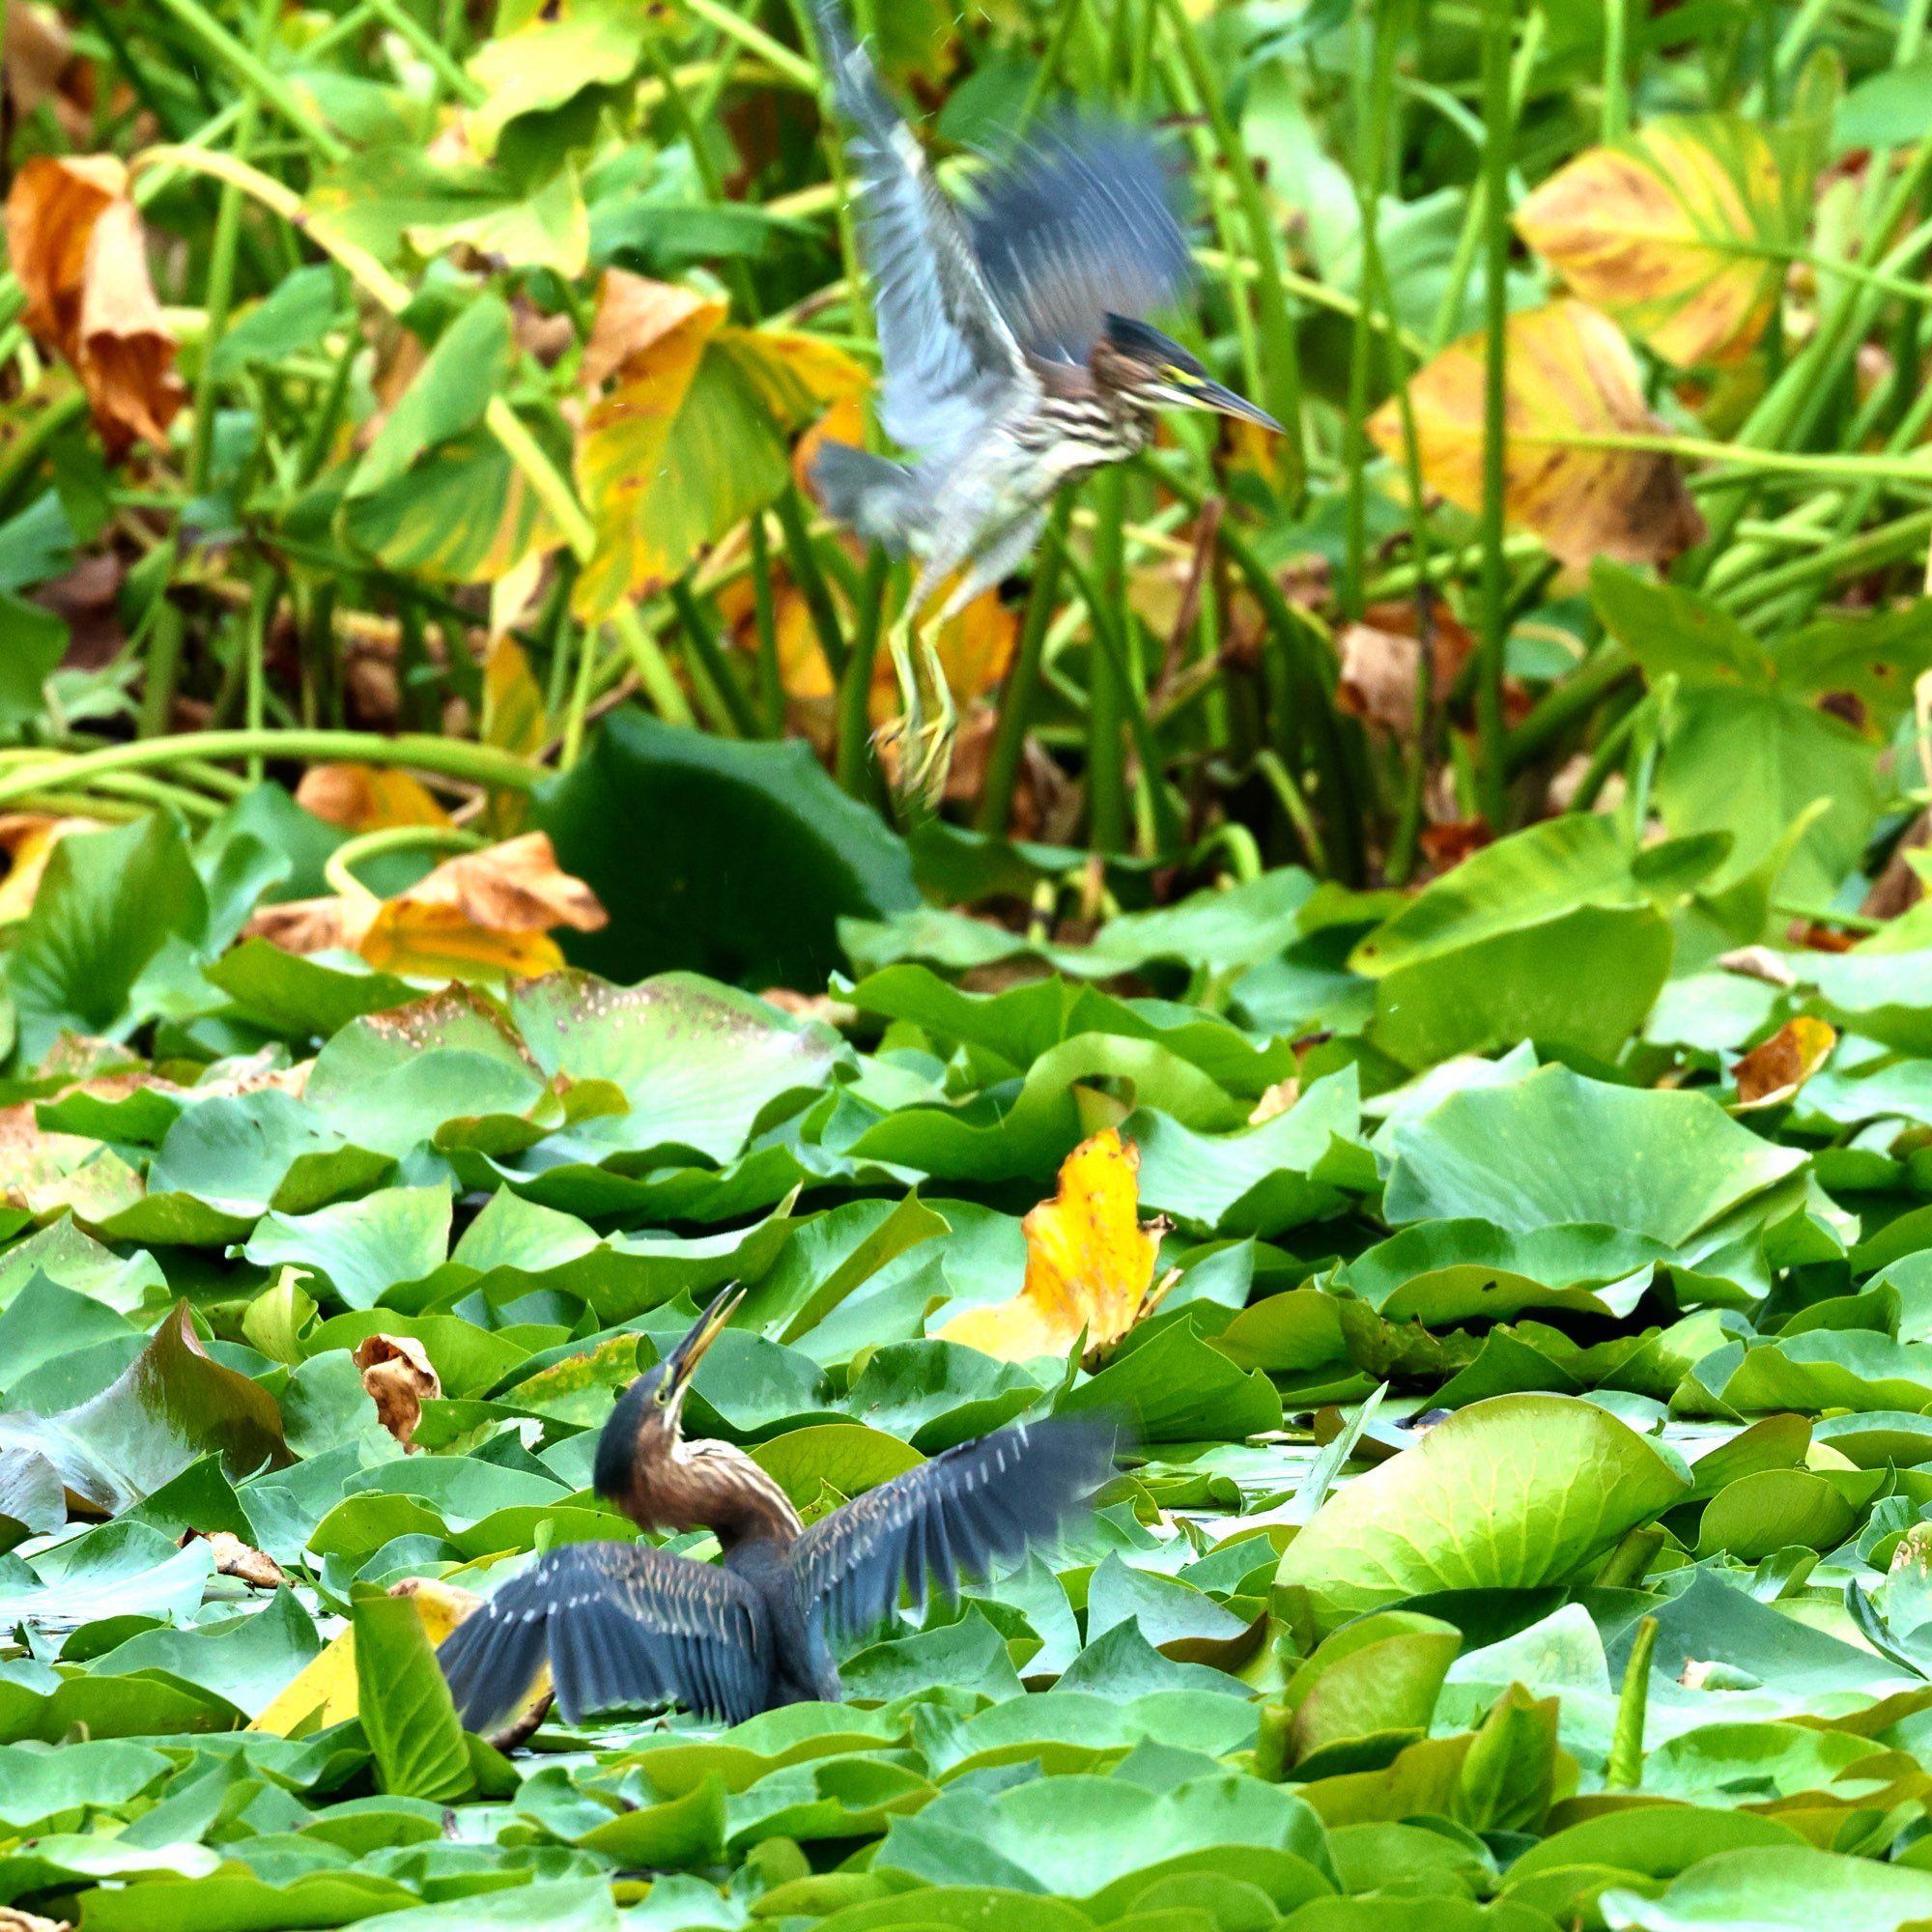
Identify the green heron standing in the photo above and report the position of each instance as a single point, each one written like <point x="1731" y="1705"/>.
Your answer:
<point x="1014" y="360"/>
<point x="627" y="1624"/>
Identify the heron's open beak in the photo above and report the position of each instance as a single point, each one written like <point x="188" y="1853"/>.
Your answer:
<point x="683" y="1360"/>
<point x="1211" y="395"/>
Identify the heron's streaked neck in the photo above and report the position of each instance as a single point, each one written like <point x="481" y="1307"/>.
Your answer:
<point x="734" y="1498"/>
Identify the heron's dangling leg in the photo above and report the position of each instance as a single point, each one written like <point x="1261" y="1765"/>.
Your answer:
<point x="928" y="721"/>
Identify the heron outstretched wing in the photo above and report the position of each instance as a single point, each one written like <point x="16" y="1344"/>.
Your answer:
<point x="949" y="1516"/>
<point x="1081" y="224"/>
<point x="620" y="1623"/>
<point x="951" y="364"/>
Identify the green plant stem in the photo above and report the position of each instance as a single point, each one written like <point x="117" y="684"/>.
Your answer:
<point x="257" y="76"/>
<point x="21" y="457"/>
<point x="1282" y="366"/>
<point x="1003" y="760"/>
<point x="551" y="488"/>
<point x="701" y="642"/>
<point x="811" y="579"/>
<point x="433" y="54"/>
<point x="856" y="770"/>
<point x="1310" y="670"/>
<point x="1492" y="638"/>
<point x="339" y="868"/>
<point x="162" y="665"/>
<point x="1624" y="1771"/>
<point x="771" y="673"/>
<point x="1107" y="701"/>
<point x="754" y="39"/>
<point x="454" y="758"/>
<point x="1371" y="120"/>
<point x="1570" y="703"/>
<point x="1281" y="781"/>
<point x="1868" y="550"/>
<point x="1111" y="647"/>
<point x="1616" y="71"/>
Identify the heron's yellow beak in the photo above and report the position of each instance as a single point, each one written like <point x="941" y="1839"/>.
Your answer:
<point x="681" y="1365"/>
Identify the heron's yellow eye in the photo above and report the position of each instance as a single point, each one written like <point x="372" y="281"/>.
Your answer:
<point x="661" y="1395"/>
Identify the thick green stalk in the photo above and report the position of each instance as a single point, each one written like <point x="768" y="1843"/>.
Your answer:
<point x="1371" y="124"/>
<point x="1492" y="629"/>
<point x="1624" y="1771"/>
<point x="857" y="771"/>
<point x="1616" y="69"/>
<point x="771" y="673"/>
<point x="1282" y="365"/>
<point x="1107" y="701"/>
<point x="405" y="25"/>
<point x="1002" y="761"/>
<point x="1111" y="647"/>
<point x="163" y="666"/>
<point x="811" y="579"/>
<point x="257" y="76"/>
<point x="707" y="656"/>
<point x="444" y="757"/>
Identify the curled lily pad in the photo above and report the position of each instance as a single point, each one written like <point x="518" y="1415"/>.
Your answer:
<point x="171" y="1406"/>
<point x="1510" y="1494"/>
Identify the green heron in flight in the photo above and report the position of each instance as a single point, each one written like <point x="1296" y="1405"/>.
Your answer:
<point x="624" y="1625"/>
<point x="1015" y="357"/>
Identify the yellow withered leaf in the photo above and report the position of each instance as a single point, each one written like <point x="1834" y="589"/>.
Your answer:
<point x="368" y="798"/>
<point x="1681" y="233"/>
<point x="322" y="1691"/>
<point x="1570" y="376"/>
<point x="689" y="438"/>
<point x="1090" y="1263"/>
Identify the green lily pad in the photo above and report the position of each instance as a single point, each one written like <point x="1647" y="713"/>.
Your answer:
<point x="1513" y="1493"/>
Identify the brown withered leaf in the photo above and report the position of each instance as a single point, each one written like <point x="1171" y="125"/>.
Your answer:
<point x="1379" y="660"/>
<point x="397" y="1373"/>
<point x="1775" y="1069"/>
<point x="1570" y="376"/>
<point x="238" y="1559"/>
<point x="483" y="915"/>
<point x="76" y="245"/>
<point x="515" y="887"/>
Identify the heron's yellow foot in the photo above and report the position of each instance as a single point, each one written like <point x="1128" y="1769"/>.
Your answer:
<point x="927" y="725"/>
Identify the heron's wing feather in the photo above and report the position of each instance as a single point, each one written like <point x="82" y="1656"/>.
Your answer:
<point x="951" y="364"/>
<point x="952" y="1516"/>
<point x="1081" y="225"/>
<point x="620" y="1623"/>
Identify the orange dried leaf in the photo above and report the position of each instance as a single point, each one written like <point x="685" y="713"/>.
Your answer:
<point x="1775" y="1069"/>
<point x="1090" y="1263"/>
<point x="368" y="798"/>
<point x="76" y="245"/>
<point x="399" y="1376"/>
<point x="1570" y="376"/>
